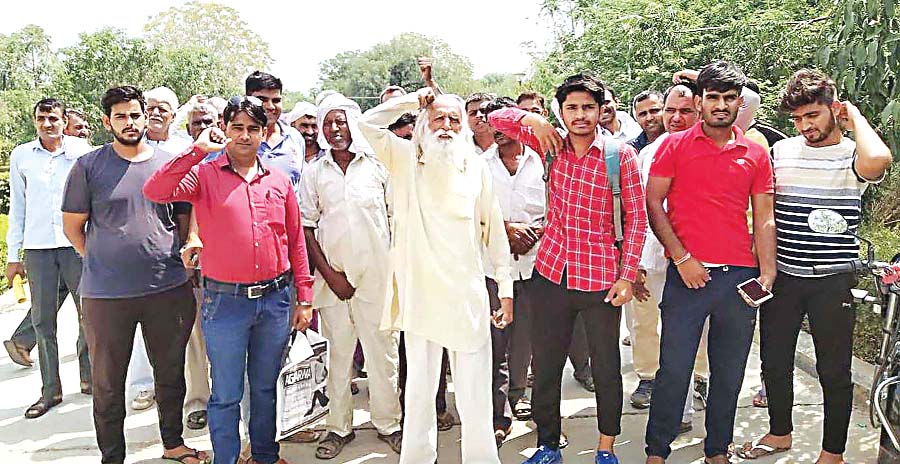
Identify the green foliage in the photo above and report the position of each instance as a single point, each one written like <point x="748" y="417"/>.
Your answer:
<point x="16" y="119"/>
<point x="635" y="45"/>
<point x="4" y="197"/>
<point x="220" y="32"/>
<point x="862" y="54"/>
<point x="362" y="75"/>
<point x="25" y="59"/>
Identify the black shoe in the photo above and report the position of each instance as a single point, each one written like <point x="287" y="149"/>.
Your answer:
<point x="587" y="383"/>
<point x="354" y="390"/>
<point x="640" y="399"/>
<point x="685" y="427"/>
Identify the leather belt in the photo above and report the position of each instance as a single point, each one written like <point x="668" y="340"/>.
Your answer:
<point x="250" y="291"/>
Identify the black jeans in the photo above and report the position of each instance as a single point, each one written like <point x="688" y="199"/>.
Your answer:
<point x="47" y="269"/>
<point x="166" y="319"/>
<point x="551" y="332"/>
<point x="731" y="324"/>
<point x="826" y="302"/>
<point x="500" y="339"/>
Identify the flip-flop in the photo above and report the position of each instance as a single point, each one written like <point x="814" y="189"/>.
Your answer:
<point x="445" y="421"/>
<point x="332" y="445"/>
<point x="756" y="450"/>
<point x="760" y="400"/>
<point x="394" y="440"/>
<point x="41" y="407"/>
<point x="193" y="454"/>
<point x="196" y="420"/>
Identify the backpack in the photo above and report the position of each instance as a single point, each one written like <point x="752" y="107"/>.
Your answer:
<point x="613" y="175"/>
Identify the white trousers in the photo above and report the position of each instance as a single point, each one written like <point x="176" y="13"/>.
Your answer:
<point x="343" y="324"/>
<point x="471" y="381"/>
<point x="196" y="366"/>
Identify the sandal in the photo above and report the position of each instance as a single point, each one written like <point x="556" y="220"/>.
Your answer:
<point x="196" y="420"/>
<point x="246" y="456"/>
<point x="756" y="450"/>
<point x="760" y="400"/>
<point x="41" y="407"/>
<point x="500" y="435"/>
<point x="522" y="409"/>
<point x="394" y="440"/>
<point x="445" y="421"/>
<point x="195" y="454"/>
<point x="304" y="436"/>
<point x="332" y="445"/>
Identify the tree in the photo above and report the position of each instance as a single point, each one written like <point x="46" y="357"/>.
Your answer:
<point x="216" y="29"/>
<point x="26" y="59"/>
<point x="635" y="45"/>
<point x="363" y="74"/>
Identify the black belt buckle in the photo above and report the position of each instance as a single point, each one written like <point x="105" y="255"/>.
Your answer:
<point x="255" y="291"/>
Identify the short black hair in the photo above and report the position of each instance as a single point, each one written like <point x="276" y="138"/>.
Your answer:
<point x="752" y="85"/>
<point x="499" y="103"/>
<point x="805" y="87"/>
<point x="477" y="97"/>
<point x="581" y="82"/>
<point x="47" y="105"/>
<point x="531" y="95"/>
<point x="247" y="105"/>
<point x="404" y="120"/>
<point x="121" y="94"/>
<point x="645" y="95"/>
<point x="261" y="81"/>
<point x="688" y="84"/>
<point x="720" y="76"/>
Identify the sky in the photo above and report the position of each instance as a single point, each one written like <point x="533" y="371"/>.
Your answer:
<point x="303" y="33"/>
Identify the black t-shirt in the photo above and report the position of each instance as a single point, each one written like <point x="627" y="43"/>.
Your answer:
<point x="132" y="246"/>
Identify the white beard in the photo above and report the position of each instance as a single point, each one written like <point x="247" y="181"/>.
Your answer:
<point x="445" y="150"/>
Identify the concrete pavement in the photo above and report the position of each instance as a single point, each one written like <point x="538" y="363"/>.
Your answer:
<point x="65" y="434"/>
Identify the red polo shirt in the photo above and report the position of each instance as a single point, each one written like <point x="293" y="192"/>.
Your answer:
<point x="710" y="191"/>
<point x="250" y="230"/>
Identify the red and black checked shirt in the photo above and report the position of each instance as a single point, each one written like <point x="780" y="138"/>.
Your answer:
<point x="579" y="238"/>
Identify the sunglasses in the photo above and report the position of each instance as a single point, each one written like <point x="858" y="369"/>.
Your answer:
<point x="238" y="100"/>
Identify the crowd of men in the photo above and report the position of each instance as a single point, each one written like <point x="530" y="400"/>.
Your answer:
<point x="432" y="234"/>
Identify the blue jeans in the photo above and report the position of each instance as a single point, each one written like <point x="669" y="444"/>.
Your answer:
<point x="245" y="333"/>
<point x="731" y="323"/>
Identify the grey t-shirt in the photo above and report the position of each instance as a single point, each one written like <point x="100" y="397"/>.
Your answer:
<point x="132" y="246"/>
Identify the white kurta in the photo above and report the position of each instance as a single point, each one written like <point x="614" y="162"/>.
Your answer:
<point x="444" y="211"/>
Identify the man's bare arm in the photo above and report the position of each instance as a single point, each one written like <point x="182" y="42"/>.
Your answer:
<point x="73" y="227"/>
<point x="873" y="157"/>
<point x="764" y="236"/>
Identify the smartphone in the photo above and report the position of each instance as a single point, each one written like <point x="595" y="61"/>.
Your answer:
<point x="754" y="292"/>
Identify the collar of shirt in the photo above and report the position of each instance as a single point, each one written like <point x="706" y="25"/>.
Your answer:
<point x="222" y="162"/>
<point x="737" y="141"/>
<point x="67" y="143"/>
<point x="287" y="132"/>
<point x="493" y="155"/>
<point x="328" y="157"/>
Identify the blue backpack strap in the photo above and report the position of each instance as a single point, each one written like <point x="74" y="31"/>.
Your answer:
<point x="613" y="174"/>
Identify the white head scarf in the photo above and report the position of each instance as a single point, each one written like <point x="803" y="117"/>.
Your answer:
<point x="336" y="101"/>
<point x="301" y="109"/>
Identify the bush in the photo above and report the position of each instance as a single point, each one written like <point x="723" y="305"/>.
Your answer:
<point x="4" y="198"/>
<point x="867" y="335"/>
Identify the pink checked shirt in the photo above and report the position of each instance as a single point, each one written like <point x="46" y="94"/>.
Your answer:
<point x="579" y="239"/>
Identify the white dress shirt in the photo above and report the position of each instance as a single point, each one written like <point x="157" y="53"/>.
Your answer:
<point x="522" y="199"/>
<point x="653" y="257"/>
<point x="349" y="213"/>
<point x="628" y="128"/>
<point x="37" y="179"/>
<point x="444" y="212"/>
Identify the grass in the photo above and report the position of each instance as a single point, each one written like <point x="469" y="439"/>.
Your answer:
<point x="867" y="334"/>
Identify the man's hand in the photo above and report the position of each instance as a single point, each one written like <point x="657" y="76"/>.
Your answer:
<point x="212" y="139"/>
<point x="521" y="237"/>
<point x="767" y="281"/>
<point x="847" y="116"/>
<point x="302" y="317"/>
<point x="190" y="254"/>
<point x="685" y="74"/>
<point x="621" y="292"/>
<point x="546" y="134"/>
<point x="694" y="274"/>
<point x="13" y="270"/>
<point x="503" y="316"/>
<point x="641" y="293"/>
<point x="339" y="284"/>
<point x="426" y="96"/>
<point x="425" y="66"/>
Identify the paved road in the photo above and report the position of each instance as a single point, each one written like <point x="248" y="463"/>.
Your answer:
<point x="65" y="435"/>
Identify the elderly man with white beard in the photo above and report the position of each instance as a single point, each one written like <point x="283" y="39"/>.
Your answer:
<point x="444" y="214"/>
<point x="345" y="221"/>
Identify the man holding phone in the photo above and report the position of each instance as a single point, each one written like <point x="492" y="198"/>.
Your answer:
<point x="705" y="234"/>
<point x="818" y="169"/>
